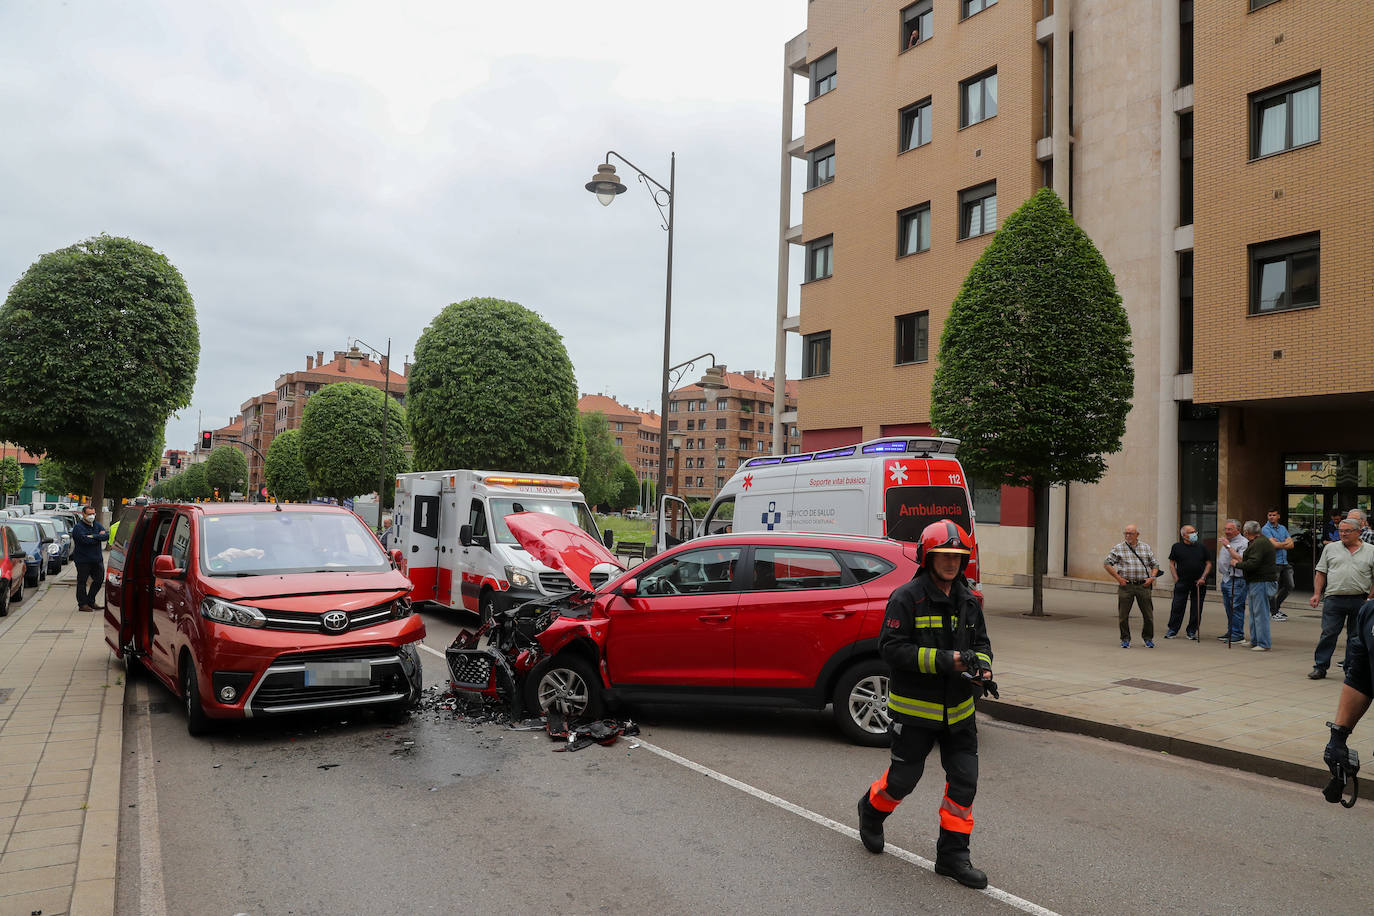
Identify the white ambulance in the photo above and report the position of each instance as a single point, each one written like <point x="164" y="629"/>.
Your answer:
<point x="450" y="527"/>
<point x="891" y="487"/>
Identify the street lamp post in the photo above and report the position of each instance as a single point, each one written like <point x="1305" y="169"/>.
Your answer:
<point x="606" y="185"/>
<point x="386" y="416"/>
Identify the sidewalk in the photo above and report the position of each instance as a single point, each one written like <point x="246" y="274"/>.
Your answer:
<point x="1254" y="711"/>
<point x="61" y="722"/>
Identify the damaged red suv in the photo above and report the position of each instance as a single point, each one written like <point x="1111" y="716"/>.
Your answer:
<point x="738" y="619"/>
<point x="256" y="610"/>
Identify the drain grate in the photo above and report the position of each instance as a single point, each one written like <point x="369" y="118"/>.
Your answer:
<point x="54" y="632"/>
<point x="1161" y="686"/>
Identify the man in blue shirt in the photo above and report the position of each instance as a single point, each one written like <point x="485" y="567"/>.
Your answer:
<point x="1283" y="542"/>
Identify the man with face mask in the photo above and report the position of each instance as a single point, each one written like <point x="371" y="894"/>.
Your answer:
<point x="90" y="537"/>
<point x="1190" y="563"/>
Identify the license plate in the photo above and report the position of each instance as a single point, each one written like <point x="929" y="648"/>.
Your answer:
<point x="338" y="674"/>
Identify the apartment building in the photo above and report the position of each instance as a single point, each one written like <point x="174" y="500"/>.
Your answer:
<point x="636" y="432"/>
<point x="295" y="388"/>
<point x="1209" y="154"/>
<point x="259" y="429"/>
<point x="712" y="431"/>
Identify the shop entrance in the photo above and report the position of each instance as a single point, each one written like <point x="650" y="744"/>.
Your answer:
<point x="1314" y="486"/>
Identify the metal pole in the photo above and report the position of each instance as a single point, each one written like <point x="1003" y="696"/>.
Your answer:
<point x="386" y="415"/>
<point x="667" y="335"/>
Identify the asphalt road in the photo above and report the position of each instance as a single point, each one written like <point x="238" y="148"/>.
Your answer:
<point x="349" y="815"/>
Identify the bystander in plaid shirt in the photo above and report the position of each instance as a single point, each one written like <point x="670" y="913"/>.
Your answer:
<point x="1130" y="568"/>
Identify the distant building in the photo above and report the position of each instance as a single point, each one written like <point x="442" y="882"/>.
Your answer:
<point x="28" y="463"/>
<point x="711" y="432"/>
<point x="635" y="431"/>
<point x="259" y="429"/>
<point x="295" y="388"/>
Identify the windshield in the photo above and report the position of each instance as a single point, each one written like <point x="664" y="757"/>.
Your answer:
<point x="49" y="529"/>
<point x="271" y="543"/>
<point x="568" y="511"/>
<point x="27" y="532"/>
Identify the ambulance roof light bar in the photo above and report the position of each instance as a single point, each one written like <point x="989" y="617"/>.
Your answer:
<point x="530" y="482"/>
<point x="925" y="447"/>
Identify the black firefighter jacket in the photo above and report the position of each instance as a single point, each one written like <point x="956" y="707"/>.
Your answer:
<point x="922" y="630"/>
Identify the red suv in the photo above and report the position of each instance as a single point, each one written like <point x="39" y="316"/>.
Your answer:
<point x="258" y="609"/>
<point x="738" y="619"/>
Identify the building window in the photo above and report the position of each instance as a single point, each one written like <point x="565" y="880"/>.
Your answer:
<point x="722" y="404"/>
<point x="720" y="462"/>
<point x="978" y="210"/>
<point x="691" y="407"/>
<point x="823" y="75"/>
<point x="913" y="230"/>
<point x="913" y="337"/>
<point x="987" y="499"/>
<point x="914" y="125"/>
<point x="747" y="425"/>
<point x="701" y="406"/>
<point x="672" y="424"/>
<point x="1285" y="117"/>
<point x="1260" y="4"/>
<point x="672" y="406"/>
<point x="978" y="98"/>
<point x="1185" y="169"/>
<point x="969" y="7"/>
<point x="721" y="422"/>
<point x="691" y="424"/>
<point x="1185" y="42"/>
<point x="691" y="443"/>
<point x="820" y="166"/>
<point x="917" y="21"/>
<point x="699" y="483"/>
<point x="820" y="258"/>
<point x="816" y="355"/>
<point x="1285" y="274"/>
<point x="720" y="442"/>
<point x="720" y="481"/>
<point x="701" y="443"/>
<point x="1185" y="312"/>
<point x="619" y="427"/>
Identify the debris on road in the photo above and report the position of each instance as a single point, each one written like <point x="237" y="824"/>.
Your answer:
<point x="577" y="736"/>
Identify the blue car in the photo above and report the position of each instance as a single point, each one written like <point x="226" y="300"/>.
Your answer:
<point x="36" y="553"/>
<point x="63" y="525"/>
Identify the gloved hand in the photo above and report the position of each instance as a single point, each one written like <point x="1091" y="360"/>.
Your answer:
<point x="1336" y="752"/>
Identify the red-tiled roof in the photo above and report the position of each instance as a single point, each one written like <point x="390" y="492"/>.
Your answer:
<point x="344" y="369"/>
<point x="10" y="450"/>
<point x="738" y="381"/>
<point x="590" y="403"/>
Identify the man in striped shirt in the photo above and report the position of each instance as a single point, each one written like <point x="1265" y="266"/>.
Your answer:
<point x="1132" y="564"/>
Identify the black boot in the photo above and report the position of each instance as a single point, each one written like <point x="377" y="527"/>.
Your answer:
<point x="870" y="825"/>
<point x="952" y="860"/>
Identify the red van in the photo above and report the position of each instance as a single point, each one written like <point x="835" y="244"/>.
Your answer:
<point x="248" y="610"/>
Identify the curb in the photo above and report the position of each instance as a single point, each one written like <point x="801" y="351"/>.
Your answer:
<point x="96" y="858"/>
<point x="1177" y="747"/>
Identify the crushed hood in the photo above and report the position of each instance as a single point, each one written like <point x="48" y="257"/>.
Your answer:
<point x="560" y="545"/>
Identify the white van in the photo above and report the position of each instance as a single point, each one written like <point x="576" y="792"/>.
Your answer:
<point x="891" y="487"/>
<point x="455" y="547"/>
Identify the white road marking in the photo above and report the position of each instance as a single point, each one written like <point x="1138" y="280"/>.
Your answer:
<point x="432" y="651"/>
<point x="1011" y="900"/>
<point x="152" y="897"/>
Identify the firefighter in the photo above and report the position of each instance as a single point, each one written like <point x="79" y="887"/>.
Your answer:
<point x="933" y="632"/>
<point x="1356" y="694"/>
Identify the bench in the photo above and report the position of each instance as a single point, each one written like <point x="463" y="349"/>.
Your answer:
<point x="632" y="550"/>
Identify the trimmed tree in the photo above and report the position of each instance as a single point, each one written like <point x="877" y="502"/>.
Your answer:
<point x="285" y="473"/>
<point x="11" y="475"/>
<point x="226" y="470"/>
<point x="1035" y="372"/>
<point x="193" y="483"/>
<point x="341" y="440"/>
<point x="492" y="387"/>
<point x="627" y="487"/>
<point x="604" y="458"/>
<point x="101" y="338"/>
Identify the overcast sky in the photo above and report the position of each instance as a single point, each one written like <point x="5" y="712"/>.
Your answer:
<point x="326" y="170"/>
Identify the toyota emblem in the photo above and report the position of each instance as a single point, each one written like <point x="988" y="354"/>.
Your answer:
<point x="335" y="621"/>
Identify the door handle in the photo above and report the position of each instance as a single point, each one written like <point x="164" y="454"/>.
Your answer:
<point x="837" y="615"/>
<point x="714" y="618"/>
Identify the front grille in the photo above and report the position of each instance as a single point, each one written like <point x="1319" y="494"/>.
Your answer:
<point x="291" y="694"/>
<point x="310" y="622"/>
<point x="470" y="670"/>
<point x="557" y="582"/>
<point x="354" y="653"/>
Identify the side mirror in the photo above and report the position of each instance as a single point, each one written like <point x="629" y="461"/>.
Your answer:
<point x="18" y="553"/>
<point x="629" y="588"/>
<point x="465" y="535"/>
<point x="165" y="568"/>
<point x="397" y="557"/>
<point x="608" y="538"/>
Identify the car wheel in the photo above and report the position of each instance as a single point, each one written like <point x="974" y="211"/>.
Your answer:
<point x="486" y="606"/>
<point x="32" y="581"/>
<point x="860" y="703"/>
<point x="18" y="593"/>
<point x="197" y="722"/>
<point x="4" y="598"/>
<point x="566" y="684"/>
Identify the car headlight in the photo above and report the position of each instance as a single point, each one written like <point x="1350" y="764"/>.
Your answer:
<point x="238" y="615"/>
<point x="54" y="550"/>
<point x="520" y="578"/>
<point x="401" y="608"/>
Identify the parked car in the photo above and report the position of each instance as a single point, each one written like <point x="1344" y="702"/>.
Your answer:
<point x="64" y="525"/>
<point x="253" y="609"/>
<point x="56" y="554"/>
<point x="12" y="569"/>
<point x="35" y="543"/>
<point x="758" y="618"/>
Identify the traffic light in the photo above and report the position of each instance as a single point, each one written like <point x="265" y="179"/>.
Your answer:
<point x="207" y="440"/>
<point x="176" y="460"/>
<point x="216" y="492"/>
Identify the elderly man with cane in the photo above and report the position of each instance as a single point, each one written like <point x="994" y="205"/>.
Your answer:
<point x="1190" y="563"/>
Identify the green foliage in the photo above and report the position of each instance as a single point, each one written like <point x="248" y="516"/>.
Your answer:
<point x="101" y="340"/>
<point x="699" y="507"/>
<point x="193" y="483"/>
<point x="604" y="458"/>
<point x="121" y="482"/>
<point x="1035" y="371"/>
<point x="341" y="440"/>
<point x="627" y="485"/>
<point x="57" y="477"/>
<point x="226" y="470"/>
<point x="11" y="475"/>
<point x="492" y="387"/>
<point x="286" y="477"/>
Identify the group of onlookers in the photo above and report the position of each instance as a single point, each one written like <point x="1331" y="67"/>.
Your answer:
<point x="1252" y="570"/>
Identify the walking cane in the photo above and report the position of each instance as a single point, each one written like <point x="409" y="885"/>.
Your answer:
<point x="1198" y="632"/>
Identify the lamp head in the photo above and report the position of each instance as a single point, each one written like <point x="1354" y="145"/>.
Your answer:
<point x="605" y="184"/>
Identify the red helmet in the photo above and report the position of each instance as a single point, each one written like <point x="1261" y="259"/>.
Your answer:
<point x="945" y="537"/>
